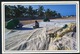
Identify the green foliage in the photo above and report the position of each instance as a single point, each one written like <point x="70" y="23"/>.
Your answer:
<point x="40" y="11"/>
<point x="30" y="11"/>
<point x="48" y="13"/>
<point x="21" y="11"/>
<point x="54" y="13"/>
<point x="12" y="23"/>
<point x="46" y="20"/>
<point x="58" y="15"/>
<point x="65" y="26"/>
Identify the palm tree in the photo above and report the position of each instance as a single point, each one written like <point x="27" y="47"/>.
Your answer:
<point x="9" y="11"/>
<point x="25" y="12"/>
<point x="54" y="13"/>
<point x="40" y="11"/>
<point x="48" y="13"/>
<point x="17" y="11"/>
<point x="30" y="11"/>
<point x="35" y="12"/>
<point x="58" y="15"/>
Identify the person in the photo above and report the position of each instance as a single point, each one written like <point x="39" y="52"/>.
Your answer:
<point x="36" y="25"/>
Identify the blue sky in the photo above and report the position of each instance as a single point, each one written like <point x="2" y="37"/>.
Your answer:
<point x="67" y="9"/>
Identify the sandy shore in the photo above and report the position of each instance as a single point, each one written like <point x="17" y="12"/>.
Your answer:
<point x="37" y="39"/>
<point x="24" y="22"/>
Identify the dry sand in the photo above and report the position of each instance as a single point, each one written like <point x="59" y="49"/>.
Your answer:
<point x="24" y="22"/>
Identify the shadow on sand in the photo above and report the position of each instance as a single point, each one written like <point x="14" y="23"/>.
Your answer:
<point x="23" y="28"/>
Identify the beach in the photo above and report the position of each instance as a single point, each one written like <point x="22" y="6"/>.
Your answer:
<point x="39" y="39"/>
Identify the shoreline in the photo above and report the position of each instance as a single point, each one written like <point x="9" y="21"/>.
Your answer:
<point x="24" y="22"/>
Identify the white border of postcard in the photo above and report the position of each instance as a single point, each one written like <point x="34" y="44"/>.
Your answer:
<point x="41" y="3"/>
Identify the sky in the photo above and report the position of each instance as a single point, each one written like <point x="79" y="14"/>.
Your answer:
<point x="64" y="10"/>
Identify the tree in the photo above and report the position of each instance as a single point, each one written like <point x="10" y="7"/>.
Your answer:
<point x="30" y="11"/>
<point x="54" y="13"/>
<point x="35" y="12"/>
<point x="21" y="11"/>
<point x="25" y="12"/>
<point x="17" y="11"/>
<point x="40" y="11"/>
<point x="7" y="11"/>
<point x="58" y="15"/>
<point x="48" y="13"/>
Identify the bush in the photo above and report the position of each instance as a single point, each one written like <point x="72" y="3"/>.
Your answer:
<point x="46" y="19"/>
<point x="65" y="26"/>
<point x="12" y="23"/>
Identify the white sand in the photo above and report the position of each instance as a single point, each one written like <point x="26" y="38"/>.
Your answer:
<point x="37" y="39"/>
